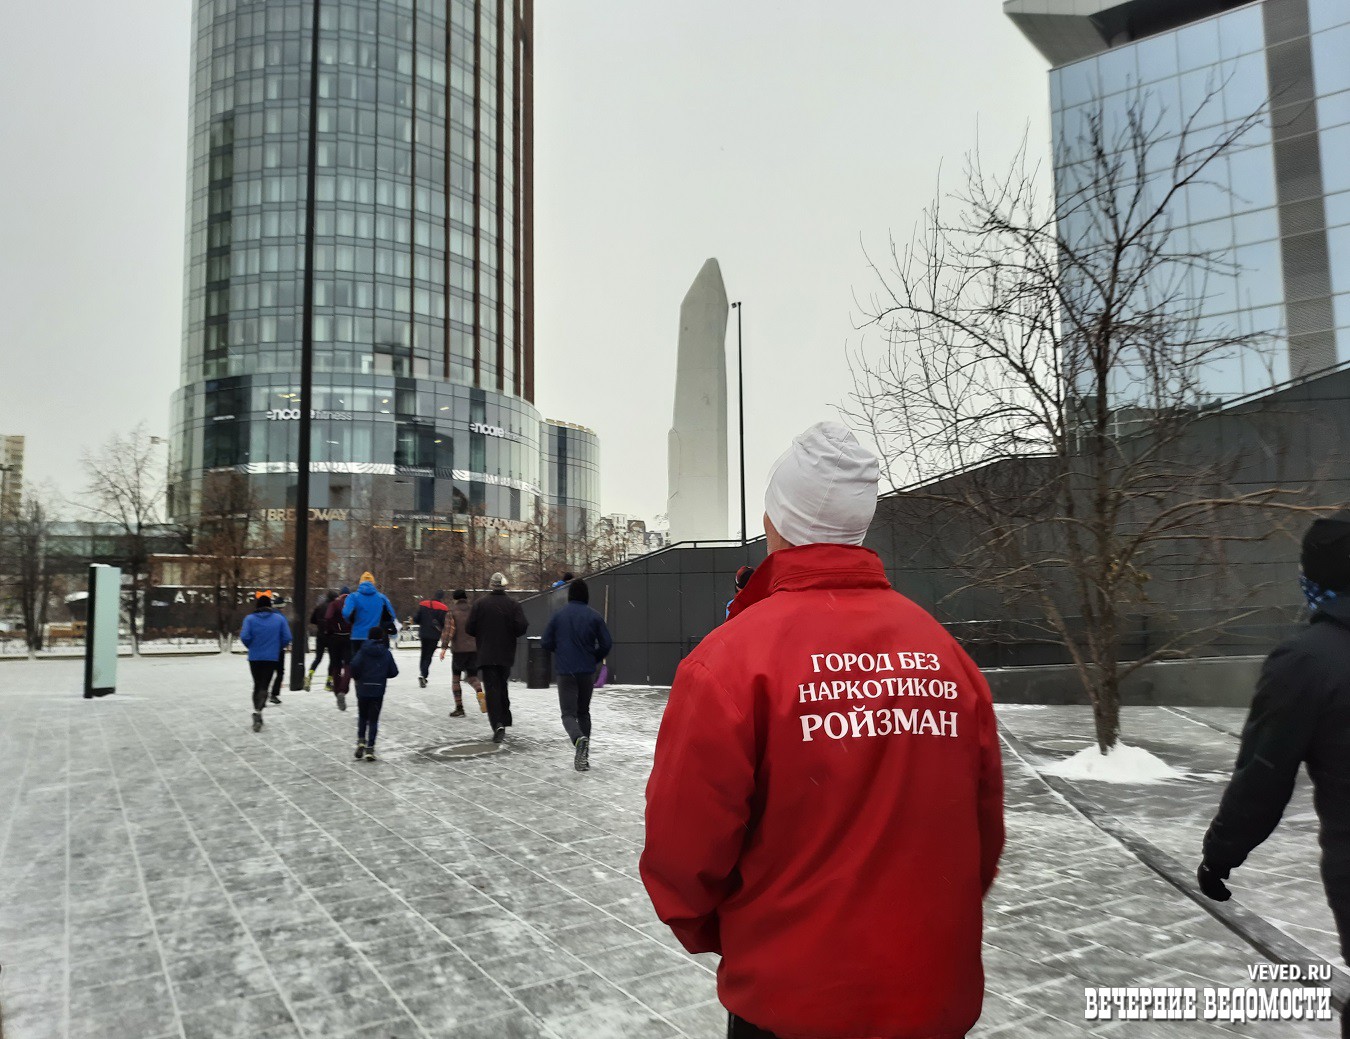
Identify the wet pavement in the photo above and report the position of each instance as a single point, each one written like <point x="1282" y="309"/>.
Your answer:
<point x="164" y="871"/>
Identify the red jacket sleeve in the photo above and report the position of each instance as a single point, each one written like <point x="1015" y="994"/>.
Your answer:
<point x="991" y="786"/>
<point x="698" y="806"/>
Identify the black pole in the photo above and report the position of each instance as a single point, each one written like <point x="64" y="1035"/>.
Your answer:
<point x="300" y="620"/>
<point x="740" y="410"/>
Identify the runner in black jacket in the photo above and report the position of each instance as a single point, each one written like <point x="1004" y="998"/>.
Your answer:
<point x="431" y="617"/>
<point x="496" y="621"/>
<point x="319" y="618"/>
<point x="1300" y="715"/>
<point x="339" y="647"/>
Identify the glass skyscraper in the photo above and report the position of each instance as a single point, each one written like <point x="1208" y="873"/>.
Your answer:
<point x="1277" y="206"/>
<point x="570" y="474"/>
<point x="423" y="300"/>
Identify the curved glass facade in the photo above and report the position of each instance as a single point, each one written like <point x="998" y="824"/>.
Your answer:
<point x="422" y="331"/>
<point x="570" y="475"/>
<point x="1277" y="206"/>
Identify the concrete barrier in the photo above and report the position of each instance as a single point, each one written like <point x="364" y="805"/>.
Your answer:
<point x="1205" y="682"/>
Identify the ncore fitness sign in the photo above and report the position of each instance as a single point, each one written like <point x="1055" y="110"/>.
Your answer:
<point x="293" y="415"/>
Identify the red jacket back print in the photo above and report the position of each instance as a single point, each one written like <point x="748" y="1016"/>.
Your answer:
<point x="826" y="806"/>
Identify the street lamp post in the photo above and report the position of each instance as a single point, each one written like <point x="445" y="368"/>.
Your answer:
<point x="740" y="409"/>
<point x="299" y="625"/>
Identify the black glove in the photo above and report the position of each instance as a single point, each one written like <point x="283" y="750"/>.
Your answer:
<point x="1211" y="880"/>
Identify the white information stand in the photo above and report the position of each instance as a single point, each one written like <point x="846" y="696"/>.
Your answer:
<point x="100" y="630"/>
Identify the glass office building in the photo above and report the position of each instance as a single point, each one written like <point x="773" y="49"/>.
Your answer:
<point x="1277" y="206"/>
<point x="570" y="474"/>
<point x="423" y="374"/>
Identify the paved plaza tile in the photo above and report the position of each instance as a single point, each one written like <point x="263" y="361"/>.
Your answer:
<point x="164" y="871"/>
<point x="1279" y="881"/>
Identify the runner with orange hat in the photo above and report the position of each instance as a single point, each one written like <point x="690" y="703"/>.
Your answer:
<point x="266" y="635"/>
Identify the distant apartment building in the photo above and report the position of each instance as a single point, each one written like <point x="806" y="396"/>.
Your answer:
<point x="625" y="537"/>
<point x="11" y="476"/>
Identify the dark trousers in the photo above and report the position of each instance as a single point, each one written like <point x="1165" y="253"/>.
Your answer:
<point x="262" y="670"/>
<point x="339" y="656"/>
<point x="368" y="718"/>
<point x="1338" y="896"/>
<point x="428" y="651"/>
<point x="498" y="698"/>
<point x="320" y="644"/>
<point x="739" y="1028"/>
<point x="281" y="671"/>
<point x="574" y="697"/>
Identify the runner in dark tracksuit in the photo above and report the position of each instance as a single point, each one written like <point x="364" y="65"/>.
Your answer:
<point x="319" y="618"/>
<point x="281" y="667"/>
<point x="431" y="617"/>
<point x="339" y="647"/>
<point x="1299" y="716"/>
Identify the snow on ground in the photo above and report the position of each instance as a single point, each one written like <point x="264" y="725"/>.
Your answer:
<point x="1122" y="764"/>
<point x="182" y="875"/>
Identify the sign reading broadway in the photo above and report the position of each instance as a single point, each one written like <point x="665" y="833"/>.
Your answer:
<point x="315" y="515"/>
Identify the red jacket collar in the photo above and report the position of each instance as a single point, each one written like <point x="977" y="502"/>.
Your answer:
<point x="806" y="567"/>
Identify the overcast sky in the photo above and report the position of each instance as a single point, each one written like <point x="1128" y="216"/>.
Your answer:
<point x="779" y="136"/>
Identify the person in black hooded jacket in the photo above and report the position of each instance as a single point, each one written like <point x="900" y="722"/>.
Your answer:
<point x="319" y="618"/>
<point x="1299" y="716"/>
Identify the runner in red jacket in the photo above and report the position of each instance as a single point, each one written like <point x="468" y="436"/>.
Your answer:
<point x="826" y="806"/>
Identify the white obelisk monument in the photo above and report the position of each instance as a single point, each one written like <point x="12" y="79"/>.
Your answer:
<point x="697" y="504"/>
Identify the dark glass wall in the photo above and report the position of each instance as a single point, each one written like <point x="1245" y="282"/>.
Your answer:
<point x="570" y="474"/>
<point x="1275" y="209"/>
<point x="421" y="339"/>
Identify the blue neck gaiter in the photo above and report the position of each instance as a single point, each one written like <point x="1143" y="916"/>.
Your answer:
<point x="1315" y="593"/>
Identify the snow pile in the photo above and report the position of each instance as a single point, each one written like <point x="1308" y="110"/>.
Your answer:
<point x="1123" y="764"/>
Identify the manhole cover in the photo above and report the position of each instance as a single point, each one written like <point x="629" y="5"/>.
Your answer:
<point x="457" y="751"/>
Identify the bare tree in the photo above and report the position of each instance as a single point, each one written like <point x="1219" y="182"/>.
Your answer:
<point x="126" y="486"/>
<point x="224" y="544"/>
<point x="483" y="551"/>
<point x="380" y="543"/>
<point x="23" y="560"/>
<point x="541" y="551"/>
<point x="1040" y="375"/>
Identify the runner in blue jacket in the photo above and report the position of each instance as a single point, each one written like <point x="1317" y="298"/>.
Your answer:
<point x="266" y="635"/>
<point x="364" y="610"/>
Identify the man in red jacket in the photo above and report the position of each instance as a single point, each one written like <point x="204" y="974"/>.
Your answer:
<point x="826" y="806"/>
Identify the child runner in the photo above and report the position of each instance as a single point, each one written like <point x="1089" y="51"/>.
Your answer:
<point x="371" y="667"/>
<point x="266" y="635"/>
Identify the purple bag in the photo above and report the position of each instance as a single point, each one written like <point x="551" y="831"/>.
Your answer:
<point x="601" y="676"/>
